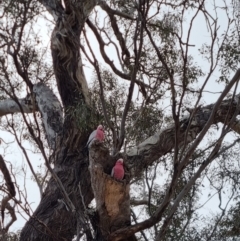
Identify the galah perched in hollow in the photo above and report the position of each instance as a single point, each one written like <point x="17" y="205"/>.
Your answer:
<point x="98" y="134"/>
<point x="118" y="170"/>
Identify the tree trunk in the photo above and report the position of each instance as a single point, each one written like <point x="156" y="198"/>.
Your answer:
<point x="53" y="220"/>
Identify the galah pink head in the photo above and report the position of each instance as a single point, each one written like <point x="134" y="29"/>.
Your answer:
<point x="120" y="161"/>
<point x="100" y="127"/>
<point x="100" y="133"/>
<point x="118" y="170"/>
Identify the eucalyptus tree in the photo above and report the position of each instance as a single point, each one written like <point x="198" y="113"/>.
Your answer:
<point x="147" y="88"/>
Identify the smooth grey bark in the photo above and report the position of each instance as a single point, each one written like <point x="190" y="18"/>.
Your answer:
<point x="51" y="112"/>
<point x="10" y="106"/>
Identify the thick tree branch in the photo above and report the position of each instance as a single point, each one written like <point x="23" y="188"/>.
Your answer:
<point x="48" y="105"/>
<point x="51" y="111"/>
<point x="7" y="177"/>
<point x="10" y="106"/>
<point x="163" y="141"/>
<point x="212" y="116"/>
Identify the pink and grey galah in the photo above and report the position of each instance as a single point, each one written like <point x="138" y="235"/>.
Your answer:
<point x="118" y="170"/>
<point x="98" y="134"/>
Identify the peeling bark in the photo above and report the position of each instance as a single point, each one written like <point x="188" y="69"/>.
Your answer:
<point x="65" y="44"/>
<point x="112" y="197"/>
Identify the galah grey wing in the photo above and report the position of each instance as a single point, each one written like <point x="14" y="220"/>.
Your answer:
<point x="91" y="138"/>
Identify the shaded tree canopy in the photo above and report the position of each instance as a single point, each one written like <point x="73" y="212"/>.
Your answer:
<point x="161" y="77"/>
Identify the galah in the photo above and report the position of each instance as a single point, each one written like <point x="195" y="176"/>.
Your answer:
<point x="98" y="134"/>
<point x="118" y="170"/>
